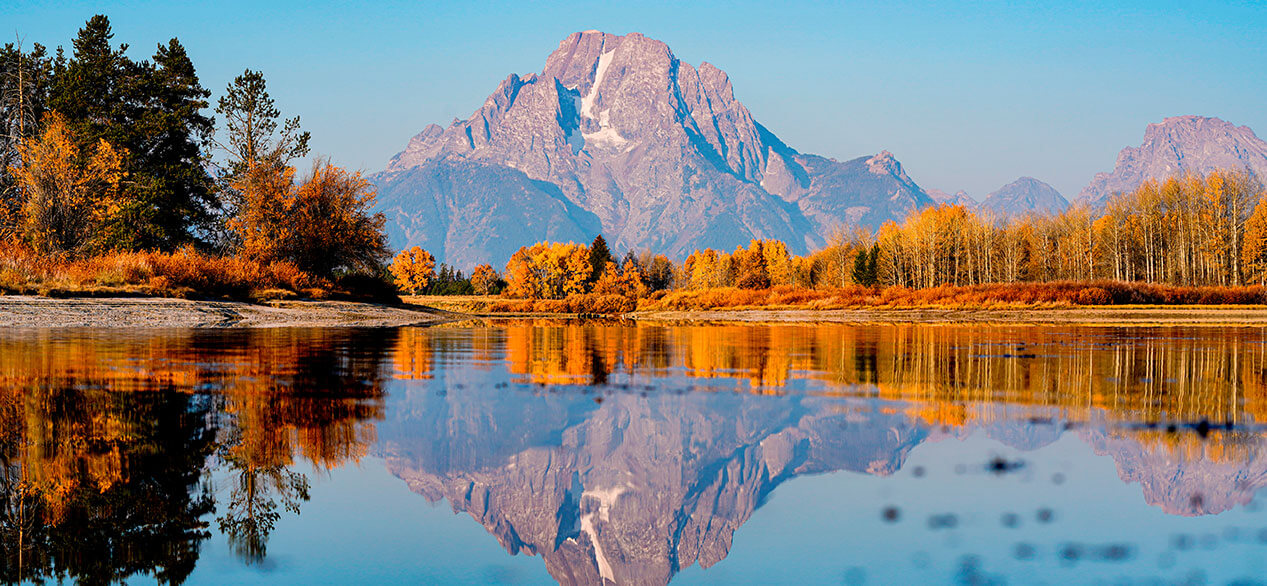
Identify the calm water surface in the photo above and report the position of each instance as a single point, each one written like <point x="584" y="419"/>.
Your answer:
<point x="560" y="451"/>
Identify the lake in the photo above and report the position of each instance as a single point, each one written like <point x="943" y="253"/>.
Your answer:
<point x="543" y="451"/>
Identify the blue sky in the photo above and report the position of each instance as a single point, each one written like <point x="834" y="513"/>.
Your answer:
<point x="967" y="95"/>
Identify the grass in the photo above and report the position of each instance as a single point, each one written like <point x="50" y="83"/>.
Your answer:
<point x="185" y="273"/>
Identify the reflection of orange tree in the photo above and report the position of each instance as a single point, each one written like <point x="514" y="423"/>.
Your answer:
<point x="945" y="371"/>
<point x="318" y="404"/>
<point x="87" y="470"/>
<point x="99" y="433"/>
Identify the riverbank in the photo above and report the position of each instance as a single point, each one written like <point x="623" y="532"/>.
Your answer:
<point x="20" y="311"/>
<point x="1135" y="315"/>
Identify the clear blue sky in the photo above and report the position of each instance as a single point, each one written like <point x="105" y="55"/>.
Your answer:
<point x="967" y="95"/>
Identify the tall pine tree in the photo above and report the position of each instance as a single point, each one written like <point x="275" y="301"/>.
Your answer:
<point x="154" y="112"/>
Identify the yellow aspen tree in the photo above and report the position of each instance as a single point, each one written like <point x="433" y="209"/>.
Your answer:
<point x="484" y="279"/>
<point x="68" y="195"/>
<point x="413" y="269"/>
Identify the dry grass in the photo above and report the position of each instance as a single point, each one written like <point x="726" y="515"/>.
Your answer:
<point x="586" y="303"/>
<point x="184" y="273"/>
<point x="1003" y="295"/>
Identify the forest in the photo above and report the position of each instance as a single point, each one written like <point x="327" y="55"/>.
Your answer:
<point x="116" y="178"/>
<point x="1190" y="239"/>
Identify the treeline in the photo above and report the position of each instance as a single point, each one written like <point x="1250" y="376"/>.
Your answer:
<point x="110" y="162"/>
<point x="1186" y="239"/>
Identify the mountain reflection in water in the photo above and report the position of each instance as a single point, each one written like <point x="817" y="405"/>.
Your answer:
<point x="615" y="451"/>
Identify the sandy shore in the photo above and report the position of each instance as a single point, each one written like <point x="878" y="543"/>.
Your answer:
<point x="43" y="312"/>
<point x="1250" y="316"/>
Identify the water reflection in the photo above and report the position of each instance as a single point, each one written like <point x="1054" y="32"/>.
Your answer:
<point x="614" y="451"/>
<point x="108" y="441"/>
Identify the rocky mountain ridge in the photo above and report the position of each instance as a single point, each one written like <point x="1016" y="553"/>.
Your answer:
<point x="617" y="135"/>
<point x="1176" y="145"/>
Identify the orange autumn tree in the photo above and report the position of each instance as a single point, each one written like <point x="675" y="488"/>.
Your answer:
<point x="323" y="224"/>
<point x="548" y="271"/>
<point x="68" y="195"/>
<point x="413" y="269"/>
<point x="484" y="279"/>
<point x="1254" y="250"/>
<point x="626" y="281"/>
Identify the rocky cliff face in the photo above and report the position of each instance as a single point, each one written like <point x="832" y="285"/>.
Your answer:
<point x="616" y="134"/>
<point x="1179" y="145"/>
<point x="1023" y="196"/>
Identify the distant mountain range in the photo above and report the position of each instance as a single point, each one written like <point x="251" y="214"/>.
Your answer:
<point x="617" y="136"/>
<point x="1017" y="198"/>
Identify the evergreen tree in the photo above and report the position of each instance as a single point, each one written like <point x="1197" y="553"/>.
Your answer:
<point x="251" y="126"/>
<point x="153" y="112"/>
<point x="860" y="265"/>
<point x="600" y="255"/>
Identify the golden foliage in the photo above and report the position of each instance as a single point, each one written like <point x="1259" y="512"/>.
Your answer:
<point x="67" y="196"/>
<point x="413" y="269"/>
<point x="320" y="225"/>
<point x="484" y="278"/>
<point x="182" y="273"/>
<point x="548" y="271"/>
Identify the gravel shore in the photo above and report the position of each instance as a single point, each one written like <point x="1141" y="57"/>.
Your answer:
<point x="144" y="312"/>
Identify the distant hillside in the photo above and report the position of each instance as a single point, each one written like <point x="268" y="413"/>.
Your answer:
<point x="1022" y="196"/>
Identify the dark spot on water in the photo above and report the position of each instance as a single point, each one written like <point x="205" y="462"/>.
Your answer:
<point x="1202" y="429"/>
<point x="1011" y="520"/>
<point x="1116" y="552"/>
<point x="1172" y="428"/>
<point x="1058" y="478"/>
<point x="999" y="465"/>
<point x="1181" y="542"/>
<point x="855" y="575"/>
<point x="970" y="572"/>
<point x="1024" y="551"/>
<point x="1045" y="515"/>
<point x="943" y="521"/>
<point x="1070" y="552"/>
<point x="918" y="472"/>
<point x="890" y="514"/>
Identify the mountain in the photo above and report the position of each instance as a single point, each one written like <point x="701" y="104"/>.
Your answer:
<point x="959" y="198"/>
<point x="1022" y="196"/>
<point x="615" y="134"/>
<point x="1177" y="145"/>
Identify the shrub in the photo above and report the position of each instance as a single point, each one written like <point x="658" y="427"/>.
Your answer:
<point x="1093" y="296"/>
